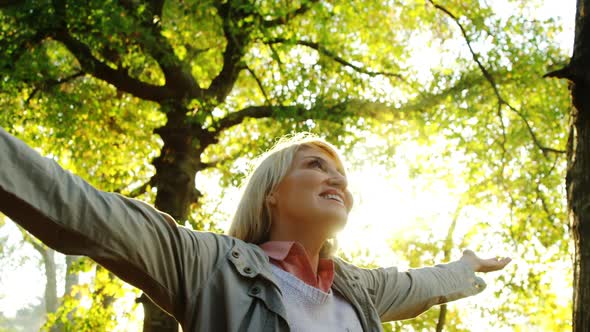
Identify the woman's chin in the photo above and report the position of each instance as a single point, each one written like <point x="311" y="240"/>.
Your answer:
<point x="336" y="223"/>
<point x="329" y="220"/>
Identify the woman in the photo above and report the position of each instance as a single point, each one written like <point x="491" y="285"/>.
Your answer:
<point x="274" y="272"/>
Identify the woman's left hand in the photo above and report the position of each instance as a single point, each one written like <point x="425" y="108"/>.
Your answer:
<point x="484" y="265"/>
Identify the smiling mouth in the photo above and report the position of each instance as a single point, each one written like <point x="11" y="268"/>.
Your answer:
<point x="333" y="197"/>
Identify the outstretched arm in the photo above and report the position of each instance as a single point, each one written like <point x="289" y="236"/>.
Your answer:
<point x="140" y="244"/>
<point x="406" y="294"/>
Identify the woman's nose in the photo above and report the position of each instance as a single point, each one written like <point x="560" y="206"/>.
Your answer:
<point x="339" y="180"/>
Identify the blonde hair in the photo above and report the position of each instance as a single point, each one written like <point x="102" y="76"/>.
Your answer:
<point x="252" y="220"/>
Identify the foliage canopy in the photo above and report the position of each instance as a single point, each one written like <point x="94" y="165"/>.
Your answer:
<point x="116" y="90"/>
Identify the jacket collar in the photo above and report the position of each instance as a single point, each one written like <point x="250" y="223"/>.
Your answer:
<point x="251" y="261"/>
<point x="292" y="257"/>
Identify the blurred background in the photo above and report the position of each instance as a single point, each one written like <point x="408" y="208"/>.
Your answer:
<point x="452" y="137"/>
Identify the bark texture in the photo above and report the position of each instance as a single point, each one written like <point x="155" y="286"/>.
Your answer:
<point x="50" y="295"/>
<point x="176" y="168"/>
<point x="448" y="246"/>
<point x="51" y="300"/>
<point x="72" y="278"/>
<point x="442" y="317"/>
<point x="578" y="167"/>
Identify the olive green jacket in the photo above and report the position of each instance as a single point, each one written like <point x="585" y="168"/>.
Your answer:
<point x="207" y="281"/>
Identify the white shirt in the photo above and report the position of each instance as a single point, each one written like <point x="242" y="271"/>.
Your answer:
<point x="310" y="309"/>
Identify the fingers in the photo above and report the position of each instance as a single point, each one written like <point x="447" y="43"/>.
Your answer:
<point x="487" y="265"/>
<point x="502" y="260"/>
<point x="495" y="264"/>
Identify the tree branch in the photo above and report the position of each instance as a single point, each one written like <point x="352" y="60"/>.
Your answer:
<point x="543" y="148"/>
<point x="8" y="3"/>
<point x="290" y="15"/>
<point x="157" y="6"/>
<point x="540" y="197"/>
<point x="493" y="84"/>
<point x="503" y="142"/>
<point x="237" y="38"/>
<point x="276" y="56"/>
<point x="319" y="111"/>
<point x="255" y="112"/>
<point x="159" y="47"/>
<point x="474" y="55"/>
<point x="213" y="163"/>
<point x="565" y="72"/>
<point x="348" y="107"/>
<point x="137" y="191"/>
<point x="426" y="100"/>
<point x="53" y="82"/>
<point x="321" y="49"/>
<point x="259" y="84"/>
<point x="15" y="52"/>
<point x="120" y="79"/>
<point x="37" y="245"/>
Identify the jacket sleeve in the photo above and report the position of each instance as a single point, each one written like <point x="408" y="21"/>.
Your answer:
<point x="403" y="295"/>
<point x="140" y="244"/>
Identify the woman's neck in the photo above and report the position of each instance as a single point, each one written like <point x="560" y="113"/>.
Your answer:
<point x="311" y="244"/>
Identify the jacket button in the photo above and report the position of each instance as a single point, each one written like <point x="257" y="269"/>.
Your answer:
<point x="248" y="270"/>
<point x="255" y="290"/>
<point x="235" y="254"/>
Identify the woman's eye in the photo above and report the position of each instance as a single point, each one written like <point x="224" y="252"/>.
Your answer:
<point x="316" y="164"/>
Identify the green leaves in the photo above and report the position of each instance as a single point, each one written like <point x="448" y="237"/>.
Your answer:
<point x="388" y="79"/>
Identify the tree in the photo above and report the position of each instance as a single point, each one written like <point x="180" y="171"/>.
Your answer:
<point x="217" y="80"/>
<point x="125" y="44"/>
<point x="578" y="163"/>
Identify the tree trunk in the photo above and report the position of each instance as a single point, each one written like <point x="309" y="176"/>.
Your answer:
<point x="48" y="256"/>
<point x="72" y="278"/>
<point x="106" y="297"/>
<point x="51" y="300"/>
<point x="176" y="167"/>
<point x="578" y="167"/>
<point x="448" y="246"/>
<point x="442" y="316"/>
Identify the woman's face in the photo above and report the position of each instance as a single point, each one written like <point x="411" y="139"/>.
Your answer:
<point x="313" y="194"/>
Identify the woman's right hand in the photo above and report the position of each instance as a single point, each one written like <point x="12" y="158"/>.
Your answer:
<point x="484" y="265"/>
